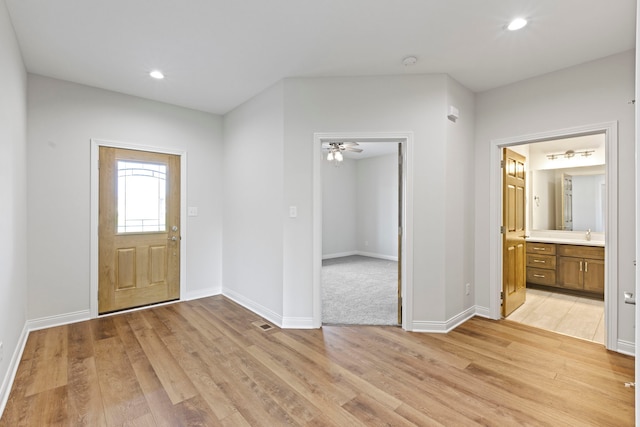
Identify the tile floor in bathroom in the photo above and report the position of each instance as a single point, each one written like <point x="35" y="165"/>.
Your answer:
<point x="567" y="314"/>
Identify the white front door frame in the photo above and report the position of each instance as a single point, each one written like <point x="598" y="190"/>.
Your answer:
<point x="610" y="130"/>
<point x="406" y="138"/>
<point x="95" y="146"/>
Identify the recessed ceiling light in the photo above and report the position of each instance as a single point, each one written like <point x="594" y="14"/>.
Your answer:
<point x="517" y="24"/>
<point x="157" y="74"/>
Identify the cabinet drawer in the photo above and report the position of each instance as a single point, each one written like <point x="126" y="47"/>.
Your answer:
<point x="577" y="251"/>
<point x="541" y="276"/>
<point x="541" y="261"/>
<point x="541" y="248"/>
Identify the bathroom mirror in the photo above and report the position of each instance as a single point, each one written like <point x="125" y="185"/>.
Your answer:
<point x="572" y="199"/>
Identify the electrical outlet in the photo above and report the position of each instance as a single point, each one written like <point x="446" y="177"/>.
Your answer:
<point x="467" y="289"/>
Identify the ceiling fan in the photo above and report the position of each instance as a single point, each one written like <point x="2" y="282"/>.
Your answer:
<point x="335" y="150"/>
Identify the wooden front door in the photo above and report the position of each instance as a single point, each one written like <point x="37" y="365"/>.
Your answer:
<point x="138" y="229"/>
<point x="514" y="275"/>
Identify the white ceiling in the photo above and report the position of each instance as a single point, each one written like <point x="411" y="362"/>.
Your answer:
<point x="216" y="54"/>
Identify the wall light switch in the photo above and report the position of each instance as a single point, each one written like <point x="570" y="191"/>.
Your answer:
<point x="293" y="211"/>
<point x="192" y="211"/>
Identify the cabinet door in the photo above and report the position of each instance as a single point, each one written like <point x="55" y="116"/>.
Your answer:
<point x="594" y="275"/>
<point x="570" y="272"/>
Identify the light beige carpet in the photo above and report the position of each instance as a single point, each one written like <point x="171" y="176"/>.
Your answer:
<point x="358" y="290"/>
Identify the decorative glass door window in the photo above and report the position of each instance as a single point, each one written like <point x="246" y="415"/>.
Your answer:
<point x="142" y="197"/>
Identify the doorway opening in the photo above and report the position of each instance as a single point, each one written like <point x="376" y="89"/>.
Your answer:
<point x="346" y="223"/>
<point x="571" y="232"/>
<point x="361" y="214"/>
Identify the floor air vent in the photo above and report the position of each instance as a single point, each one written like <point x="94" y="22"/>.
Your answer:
<point x="264" y="326"/>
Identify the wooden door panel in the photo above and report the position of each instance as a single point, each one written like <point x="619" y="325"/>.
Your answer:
<point x="510" y="270"/>
<point x="520" y="201"/>
<point x="511" y="208"/>
<point x="514" y="250"/>
<point x="158" y="264"/>
<point x="126" y="268"/>
<point x="139" y="259"/>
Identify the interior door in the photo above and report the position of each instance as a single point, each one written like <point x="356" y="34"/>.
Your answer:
<point x="514" y="274"/>
<point x="138" y="228"/>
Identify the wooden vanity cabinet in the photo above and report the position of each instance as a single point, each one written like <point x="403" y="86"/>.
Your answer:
<point x="541" y="264"/>
<point x="571" y="267"/>
<point x="581" y="268"/>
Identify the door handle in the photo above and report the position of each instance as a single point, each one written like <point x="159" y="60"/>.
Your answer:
<point x="173" y="239"/>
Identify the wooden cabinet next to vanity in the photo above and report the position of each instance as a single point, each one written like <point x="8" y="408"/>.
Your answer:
<point x="576" y="268"/>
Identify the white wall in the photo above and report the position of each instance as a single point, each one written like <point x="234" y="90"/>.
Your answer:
<point x="13" y="207"/>
<point x="253" y="208"/>
<point x="459" y="204"/>
<point x="416" y="103"/>
<point x="62" y="119"/>
<point x="339" y="208"/>
<point x="377" y="207"/>
<point x="595" y="92"/>
<point x="360" y="207"/>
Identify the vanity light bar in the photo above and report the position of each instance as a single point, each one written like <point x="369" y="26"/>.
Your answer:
<point x="570" y="153"/>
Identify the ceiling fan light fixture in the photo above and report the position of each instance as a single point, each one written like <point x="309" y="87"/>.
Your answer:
<point x="338" y="156"/>
<point x="330" y="156"/>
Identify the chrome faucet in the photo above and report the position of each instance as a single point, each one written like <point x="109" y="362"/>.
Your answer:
<point x="588" y="235"/>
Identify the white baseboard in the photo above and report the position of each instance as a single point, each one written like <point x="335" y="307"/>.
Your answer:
<point x="339" y="255"/>
<point x="202" y="293"/>
<point x="58" y="320"/>
<point x="483" y="312"/>
<point x="369" y="254"/>
<point x="379" y="256"/>
<point x="260" y="310"/>
<point x="446" y="326"/>
<point x="298" y="323"/>
<point x="7" y="382"/>
<point x="626" y="347"/>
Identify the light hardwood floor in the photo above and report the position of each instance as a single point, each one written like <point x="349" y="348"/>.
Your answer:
<point x="208" y="362"/>
<point x="567" y="314"/>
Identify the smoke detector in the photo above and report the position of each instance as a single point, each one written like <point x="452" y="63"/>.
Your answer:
<point x="409" y="61"/>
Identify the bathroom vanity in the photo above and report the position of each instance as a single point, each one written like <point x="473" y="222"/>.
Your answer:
<point x="571" y="265"/>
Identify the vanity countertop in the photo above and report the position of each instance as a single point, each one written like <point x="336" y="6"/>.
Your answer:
<point x="565" y="237"/>
<point x="565" y="241"/>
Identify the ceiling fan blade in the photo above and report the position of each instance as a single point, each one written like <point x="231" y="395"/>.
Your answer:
<point x="349" y="144"/>
<point x="355" y="150"/>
